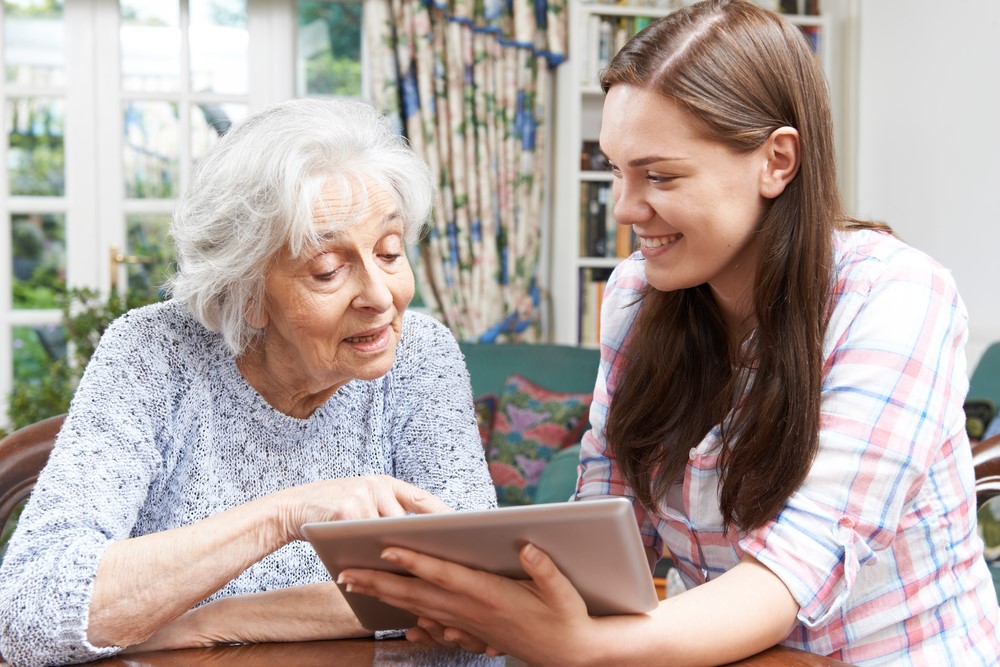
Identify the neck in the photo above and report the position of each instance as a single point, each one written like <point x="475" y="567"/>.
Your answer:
<point x="273" y="386"/>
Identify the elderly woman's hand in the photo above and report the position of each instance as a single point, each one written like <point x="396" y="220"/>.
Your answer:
<point x="352" y="498"/>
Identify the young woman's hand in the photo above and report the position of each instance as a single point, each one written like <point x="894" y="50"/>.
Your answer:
<point x="544" y="620"/>
<point x="536" y="619"/>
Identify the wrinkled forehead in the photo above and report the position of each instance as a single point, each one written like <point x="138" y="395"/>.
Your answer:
<point x="343" y="201"/>
<point x="340" y="203"/>
<point x="343" y="205"/>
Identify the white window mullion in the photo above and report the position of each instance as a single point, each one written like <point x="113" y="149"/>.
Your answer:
<point x="82" y="145"/>
<point x="6" y="262"/>
<point x="184" y="102"/>
<point x="107" y="161"/>
<point x="271" y="24"/>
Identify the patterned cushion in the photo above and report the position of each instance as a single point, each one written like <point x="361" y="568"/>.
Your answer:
<point x="531" y="423"/>
<point x="486" y="410"/>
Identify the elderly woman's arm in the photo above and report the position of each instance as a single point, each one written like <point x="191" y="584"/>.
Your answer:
<point x="299" y="613"/>
<point x="146" y="582"/>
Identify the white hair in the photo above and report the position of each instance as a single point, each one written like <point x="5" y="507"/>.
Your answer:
<point x="254" y="192"/>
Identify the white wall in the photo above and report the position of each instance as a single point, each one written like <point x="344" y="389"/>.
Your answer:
<point x="928" y="131"/>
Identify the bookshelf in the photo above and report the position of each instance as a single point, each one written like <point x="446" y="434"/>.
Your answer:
<point x="585" y="243"/>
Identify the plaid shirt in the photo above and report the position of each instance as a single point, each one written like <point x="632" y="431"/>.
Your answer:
<point x="879" y="545"/>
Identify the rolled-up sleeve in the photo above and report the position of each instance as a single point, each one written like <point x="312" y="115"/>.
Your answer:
<point x="894" y="382"/>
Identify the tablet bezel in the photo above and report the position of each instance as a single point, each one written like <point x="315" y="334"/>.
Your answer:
<point x="595" y="543"/>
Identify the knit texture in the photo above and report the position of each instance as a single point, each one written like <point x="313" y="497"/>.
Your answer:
<point x="164" y="431"/>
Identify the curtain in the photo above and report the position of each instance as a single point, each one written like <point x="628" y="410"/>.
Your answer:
<point x="470" y="82"/>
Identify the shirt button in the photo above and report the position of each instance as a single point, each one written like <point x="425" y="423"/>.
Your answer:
<point x="693" y="454"/>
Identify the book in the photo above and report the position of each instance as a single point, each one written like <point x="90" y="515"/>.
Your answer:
<point x="593" y="281"/>
<point x="625" y="241"/>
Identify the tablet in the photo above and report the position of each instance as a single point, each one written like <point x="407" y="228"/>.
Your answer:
<point x="595" y="543"/>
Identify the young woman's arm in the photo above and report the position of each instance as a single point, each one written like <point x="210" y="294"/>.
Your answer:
<point x="545" y="622"/>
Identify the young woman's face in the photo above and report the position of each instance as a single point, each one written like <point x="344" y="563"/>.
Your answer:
<point x="694" y="204"/>
<point x="336" y="313"/>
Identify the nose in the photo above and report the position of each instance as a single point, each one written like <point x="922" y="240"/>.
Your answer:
<point x="373" y="289"/>
<point x="631" y="206"/>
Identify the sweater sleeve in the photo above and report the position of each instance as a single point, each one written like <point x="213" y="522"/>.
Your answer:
<point x="433" y="432"/>
<point x="87" y="496"/>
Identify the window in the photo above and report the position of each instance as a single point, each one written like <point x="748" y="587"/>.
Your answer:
<point x="104" y="122"/>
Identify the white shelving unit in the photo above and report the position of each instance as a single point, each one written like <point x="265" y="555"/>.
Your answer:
<point x="577" y="112"/>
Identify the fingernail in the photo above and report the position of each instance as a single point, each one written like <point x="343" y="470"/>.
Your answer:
<point x="344" y="580"/>
<point x="389" y="555"/>
<point x="530" y="553"/>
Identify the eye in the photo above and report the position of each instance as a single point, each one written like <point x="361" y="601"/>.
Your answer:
<point x="613" y="168"/>
<point x="327" y="267"/>
<point x="328" y="276"/>
<point x="390" y="248"/>
<point x="656" y="179"/>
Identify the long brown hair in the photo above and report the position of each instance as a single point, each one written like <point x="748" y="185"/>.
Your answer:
<point x="741" y="72"/>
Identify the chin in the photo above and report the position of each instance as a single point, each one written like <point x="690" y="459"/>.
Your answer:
<point x="378" y="367"/>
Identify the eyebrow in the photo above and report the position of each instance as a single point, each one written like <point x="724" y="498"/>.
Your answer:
<point x="645" y="161"/>
<point x="334" y="235"/>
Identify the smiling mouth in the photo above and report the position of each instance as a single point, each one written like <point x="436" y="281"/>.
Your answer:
<point x="659" y="241"/>
<point x="367" y="338"/>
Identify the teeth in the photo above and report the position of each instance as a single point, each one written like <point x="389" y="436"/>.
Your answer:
<point x="362" y="339"/>
<point x="659" y="241"/>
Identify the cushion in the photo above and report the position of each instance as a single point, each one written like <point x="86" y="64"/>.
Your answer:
<point x="486" y="410"/>
<point x="530" y="425"/>
<point x="558" y="480"/>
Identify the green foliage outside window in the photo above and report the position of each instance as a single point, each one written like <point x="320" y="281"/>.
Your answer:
<point x="86" y="314"/>
<point x="333" y="76"/>
<point x="336" y="68"/>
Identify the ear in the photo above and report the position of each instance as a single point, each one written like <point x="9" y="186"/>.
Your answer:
<point x="256" y="315"/>
<point x="781" y="152"/>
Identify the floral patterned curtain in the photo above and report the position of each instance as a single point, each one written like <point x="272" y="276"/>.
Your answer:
<point x="470" y="81"/>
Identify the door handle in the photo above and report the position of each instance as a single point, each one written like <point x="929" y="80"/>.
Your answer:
<point x="118" y="258"/>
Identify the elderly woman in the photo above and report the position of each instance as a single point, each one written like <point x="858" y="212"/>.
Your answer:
<point x="282" y="384"/>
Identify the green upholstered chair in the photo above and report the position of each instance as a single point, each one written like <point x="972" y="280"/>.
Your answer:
<point x="563" y="368"/>
<point x="558" y="480"/>
<point x="560" y="368"/>
<point x="985" y="379"/>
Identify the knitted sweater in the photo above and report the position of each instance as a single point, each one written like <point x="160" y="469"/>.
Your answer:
<point x="164" y="431"/>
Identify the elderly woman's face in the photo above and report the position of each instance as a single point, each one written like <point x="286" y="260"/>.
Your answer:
<point x="336" y="313"/>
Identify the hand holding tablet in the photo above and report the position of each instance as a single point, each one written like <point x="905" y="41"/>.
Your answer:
<point x="595" y="544"/>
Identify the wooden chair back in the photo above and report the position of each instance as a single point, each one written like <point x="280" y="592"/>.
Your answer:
<point x="23" y="454"/>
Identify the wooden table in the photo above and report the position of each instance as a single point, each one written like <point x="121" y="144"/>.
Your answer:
<point x="384" y="653"/>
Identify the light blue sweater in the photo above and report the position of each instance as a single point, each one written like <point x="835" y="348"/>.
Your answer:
<point x="164" y="431"/>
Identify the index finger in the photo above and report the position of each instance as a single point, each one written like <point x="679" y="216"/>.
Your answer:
<point x="414" y="499"/>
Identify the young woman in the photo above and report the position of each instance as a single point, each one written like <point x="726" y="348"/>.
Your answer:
<point x="780" y="392"/>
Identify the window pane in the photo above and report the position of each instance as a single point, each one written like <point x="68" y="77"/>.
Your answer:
<point x="151" y="45"/>
<point x="34" y="43"/>
<point x="151" y="150"/>
<point x="209" y="121"/>
<point x="35" y="348"/>
<point x="218" y="38"/>
<point x="38" y="243"/>
<point x="35" y="137"/>
<point x="148" y="238"/>
<point x="328" y="44"/>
